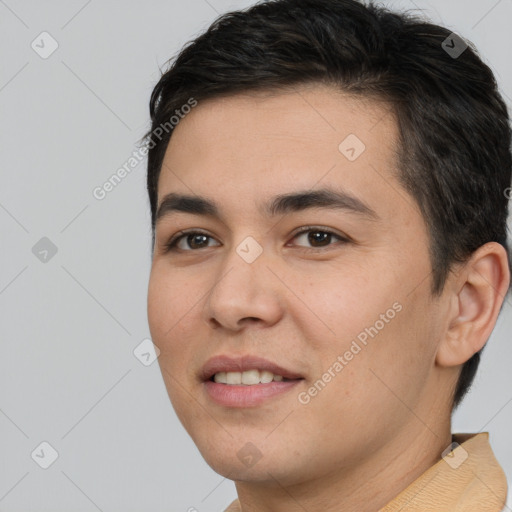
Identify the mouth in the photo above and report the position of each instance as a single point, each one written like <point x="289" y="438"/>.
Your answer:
<point x="248" y="378"/>
<point x="246" y="381"/>
<point x="246" y="370"/>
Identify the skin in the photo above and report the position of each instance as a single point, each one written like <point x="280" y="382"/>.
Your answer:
<point x="385" y="418"/>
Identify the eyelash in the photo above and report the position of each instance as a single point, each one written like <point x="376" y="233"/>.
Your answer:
<point x="171" y="245"/>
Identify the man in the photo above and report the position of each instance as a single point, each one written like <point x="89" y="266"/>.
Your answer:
<point x="328" y="188"/>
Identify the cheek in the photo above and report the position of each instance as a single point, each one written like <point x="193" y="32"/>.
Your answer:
<point x="397" y="360"/>
<point x="371" y="398"/>
<point x="168" y="300"/>
<point x="170" y="313"/>
<point x="159" y="306"/>
<point x="386" y="349"/>
<point x="169" y="309"/>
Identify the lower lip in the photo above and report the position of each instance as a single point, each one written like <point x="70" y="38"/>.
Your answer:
<point x="232" y="395"/>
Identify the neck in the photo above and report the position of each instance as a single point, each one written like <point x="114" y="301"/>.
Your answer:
<point x="365" y="487"/>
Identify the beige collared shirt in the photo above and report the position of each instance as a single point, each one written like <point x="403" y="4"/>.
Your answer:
<point x="468" y="479"/>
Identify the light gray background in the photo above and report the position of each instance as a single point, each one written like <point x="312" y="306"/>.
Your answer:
<point x="69" y="326"/>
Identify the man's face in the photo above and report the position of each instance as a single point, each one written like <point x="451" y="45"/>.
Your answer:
<point x="353" y="290"/>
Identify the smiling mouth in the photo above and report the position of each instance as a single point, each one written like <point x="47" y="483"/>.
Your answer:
<point x="248" y="378"/>
<point x="247" y="389"/>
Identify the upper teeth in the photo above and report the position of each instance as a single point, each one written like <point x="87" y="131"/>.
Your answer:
<point x="248" y="377"/>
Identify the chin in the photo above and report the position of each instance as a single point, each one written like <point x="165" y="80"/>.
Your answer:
<point x="246" y="463"/>
<point x="237" y="472"/>
<point x="230" y="463"/>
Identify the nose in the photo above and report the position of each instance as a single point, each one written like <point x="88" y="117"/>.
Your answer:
<point x="244" y="292"/>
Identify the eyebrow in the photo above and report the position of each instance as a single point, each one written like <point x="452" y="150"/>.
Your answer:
<point x="282" y="204"/>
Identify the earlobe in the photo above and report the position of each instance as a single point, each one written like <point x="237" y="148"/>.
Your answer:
<point x="479" y="290"/>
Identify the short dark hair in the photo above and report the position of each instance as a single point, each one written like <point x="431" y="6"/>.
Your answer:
<point x="455" y="137"/>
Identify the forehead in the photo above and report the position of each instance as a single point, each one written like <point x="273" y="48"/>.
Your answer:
<point x="244" y="148"/>
<point x="316" y="115"/>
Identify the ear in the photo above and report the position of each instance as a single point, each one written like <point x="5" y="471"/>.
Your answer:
<point x="477" y="294"/>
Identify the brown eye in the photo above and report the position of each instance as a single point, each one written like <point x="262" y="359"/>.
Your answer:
<point x="314" y="239"/>
<point x="318" y="237"/>
<point x="189" y="240"/>
<point x="196" y="241"/>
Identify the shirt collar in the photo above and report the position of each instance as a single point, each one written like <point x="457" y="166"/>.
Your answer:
<point x="466" y="479"/>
